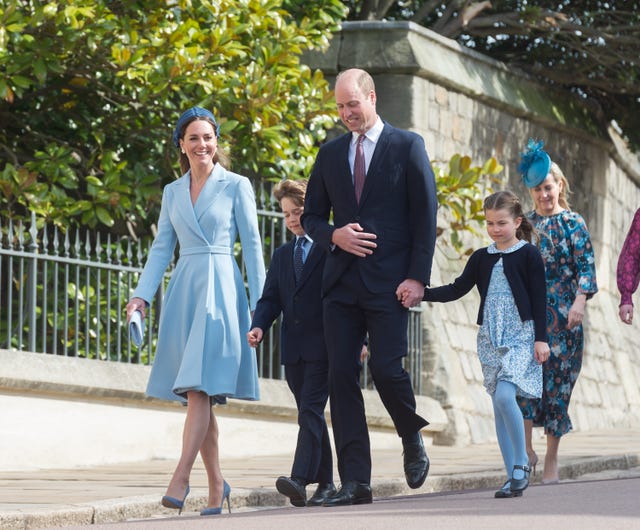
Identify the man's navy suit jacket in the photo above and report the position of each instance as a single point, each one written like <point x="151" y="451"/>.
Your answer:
<point x="301" y="335"/>
<point x="398" y="204"/>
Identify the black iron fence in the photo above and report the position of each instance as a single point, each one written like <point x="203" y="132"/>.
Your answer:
<point x="63" y="293"/>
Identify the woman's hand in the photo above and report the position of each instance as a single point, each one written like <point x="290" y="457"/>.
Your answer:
<point x="626" y="313"/>
<point x="136" y="304"/>
<point x="576" y="313"/>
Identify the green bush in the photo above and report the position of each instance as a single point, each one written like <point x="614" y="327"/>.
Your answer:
<point x="461" y="192"/>
<point x="89" y="91"/>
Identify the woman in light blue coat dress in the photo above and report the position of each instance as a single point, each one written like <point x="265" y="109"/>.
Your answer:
<point x="201" y="355"/>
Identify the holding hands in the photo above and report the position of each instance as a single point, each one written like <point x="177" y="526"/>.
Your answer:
<point x="410" y="293"/>
<point x="255" y="337"/>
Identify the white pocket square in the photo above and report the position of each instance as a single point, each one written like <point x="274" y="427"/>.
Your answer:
<point x="136" y="328"/>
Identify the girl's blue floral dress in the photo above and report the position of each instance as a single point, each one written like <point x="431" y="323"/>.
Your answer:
<point x="505" y="343"/>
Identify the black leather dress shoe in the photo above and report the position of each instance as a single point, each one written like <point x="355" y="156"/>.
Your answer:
<point x="351" y="492"/>
<point x="416" y="461"/>
<point x="294" y="489"/>
<point x="323" y="492"/>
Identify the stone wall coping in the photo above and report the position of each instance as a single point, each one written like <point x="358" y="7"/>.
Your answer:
<point x="404" y="47"/>
<point x="123" y="383"/>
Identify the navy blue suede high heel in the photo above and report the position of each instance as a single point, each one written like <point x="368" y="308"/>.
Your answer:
<point x="176" y="504"/>
<point x="226" y="492"/>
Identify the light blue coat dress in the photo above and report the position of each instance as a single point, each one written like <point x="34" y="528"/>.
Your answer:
<point x="202" y="342"/>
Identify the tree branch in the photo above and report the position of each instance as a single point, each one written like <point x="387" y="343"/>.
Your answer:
<point x="425" y="10"/>
<point x="468" y="13"/>
<point x="446" y="16"/>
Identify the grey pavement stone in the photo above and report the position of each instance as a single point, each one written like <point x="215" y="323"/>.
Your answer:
<point x="587" y="456"/>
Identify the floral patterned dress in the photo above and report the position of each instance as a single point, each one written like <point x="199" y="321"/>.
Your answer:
<point x="565" y="245"/>
<point x="505" y="343"/>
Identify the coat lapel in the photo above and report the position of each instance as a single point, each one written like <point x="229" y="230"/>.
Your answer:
<point x="183" y="202"/>
<point x="215" y="185"/>
<point x="379" y="155"/>
<point x="382" y="146"/>
<point x="313" y="258"/>
<point x="344" y="174"/>
<point x="288" y="267"/>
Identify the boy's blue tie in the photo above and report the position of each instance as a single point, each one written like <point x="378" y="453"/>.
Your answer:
<point x="298" y="261"/>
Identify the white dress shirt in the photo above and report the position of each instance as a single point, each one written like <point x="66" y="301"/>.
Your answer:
<point x="368" y="144"/>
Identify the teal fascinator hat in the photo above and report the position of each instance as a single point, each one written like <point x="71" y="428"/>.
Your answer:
<point x="193" y="112"/>
<point x="534" y="164"/>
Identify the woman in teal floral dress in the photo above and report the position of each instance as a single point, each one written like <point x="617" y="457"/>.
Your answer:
<point x="565" y="245"/>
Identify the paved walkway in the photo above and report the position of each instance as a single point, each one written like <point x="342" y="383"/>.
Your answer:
<point x="56" y="498"/>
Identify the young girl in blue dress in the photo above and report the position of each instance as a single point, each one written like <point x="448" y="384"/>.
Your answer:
<point x="512" y="339"/>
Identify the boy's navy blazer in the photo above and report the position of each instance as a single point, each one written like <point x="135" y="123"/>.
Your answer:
<point x="398" y="204"/>
<point x="301" y="335"/>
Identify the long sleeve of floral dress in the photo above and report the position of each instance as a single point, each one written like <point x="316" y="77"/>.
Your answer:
<point x="628" y="272"/>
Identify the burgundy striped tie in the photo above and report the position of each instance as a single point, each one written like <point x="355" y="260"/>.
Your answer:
<point x="359" y="170"/>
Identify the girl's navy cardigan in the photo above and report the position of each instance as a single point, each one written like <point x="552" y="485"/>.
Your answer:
<point x="524" y="270"/>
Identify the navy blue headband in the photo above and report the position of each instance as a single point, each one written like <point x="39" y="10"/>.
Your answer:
<point x="193" y="112"/>
<point x="535" y="164"/>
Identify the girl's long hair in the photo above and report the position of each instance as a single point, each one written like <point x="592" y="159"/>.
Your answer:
<point x="507" y="200"/>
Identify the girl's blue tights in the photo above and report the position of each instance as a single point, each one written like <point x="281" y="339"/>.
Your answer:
<point x="509" y="428"/>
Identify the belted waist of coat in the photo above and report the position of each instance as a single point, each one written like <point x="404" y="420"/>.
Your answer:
<point x="206" y="249"/>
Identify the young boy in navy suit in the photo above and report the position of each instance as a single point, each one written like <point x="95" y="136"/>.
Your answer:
<point x="293" y="288"/>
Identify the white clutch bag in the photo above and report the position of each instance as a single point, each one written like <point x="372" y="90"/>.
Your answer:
<point x="136" y="328"/>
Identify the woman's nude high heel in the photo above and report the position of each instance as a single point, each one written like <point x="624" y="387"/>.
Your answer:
<point x="533" y="460"/>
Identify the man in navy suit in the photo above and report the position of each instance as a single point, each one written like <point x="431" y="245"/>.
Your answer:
<point x="296" y="294"/>
<point x="379" y="253"/>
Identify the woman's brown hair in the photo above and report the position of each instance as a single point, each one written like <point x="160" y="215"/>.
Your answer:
<point x="219" y="157"/>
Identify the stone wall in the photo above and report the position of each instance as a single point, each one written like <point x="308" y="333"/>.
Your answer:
<point x="64" y="412"/>
<point x="461" y="102"/>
